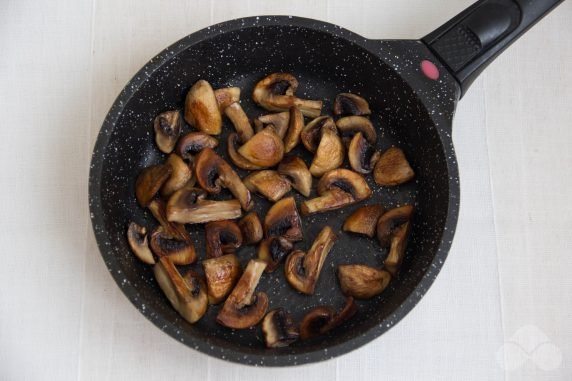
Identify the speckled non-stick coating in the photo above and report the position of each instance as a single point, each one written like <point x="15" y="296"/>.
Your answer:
<point x="409" y="111"/>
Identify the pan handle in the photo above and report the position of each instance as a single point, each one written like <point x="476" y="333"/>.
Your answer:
<point x="470" y="41"/>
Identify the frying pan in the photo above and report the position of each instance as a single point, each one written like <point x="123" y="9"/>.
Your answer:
<point x="412" y="87"/>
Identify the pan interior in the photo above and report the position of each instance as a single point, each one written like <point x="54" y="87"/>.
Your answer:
<point x="324" y="65"/>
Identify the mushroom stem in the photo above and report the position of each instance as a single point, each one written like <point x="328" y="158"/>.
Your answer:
<point x="240" y="121"/>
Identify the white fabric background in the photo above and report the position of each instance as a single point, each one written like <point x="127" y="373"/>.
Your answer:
<point x="62" y="64"/>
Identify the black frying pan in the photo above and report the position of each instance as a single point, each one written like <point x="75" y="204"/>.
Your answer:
<point x="412" y="87"/>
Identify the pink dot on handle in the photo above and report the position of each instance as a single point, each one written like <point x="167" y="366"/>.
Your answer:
<point x="430" y="70"/>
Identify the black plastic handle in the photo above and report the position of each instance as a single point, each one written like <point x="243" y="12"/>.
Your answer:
<point x="475" y="37"/>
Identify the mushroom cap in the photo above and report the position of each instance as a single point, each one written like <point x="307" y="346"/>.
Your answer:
<point x="226" y="96"/>
<point x="312" y="132"/>
<point x="239" y="160"/>
<point x="149" y="181"/>
<point x="364" y="220"/>
<point x="279" y="122"/>
<point x="180" y="175"/>
<point x="362" y="282"/>
<point x="180" y="251"/>
<point x="188" y="206"/>
<point x="167" y="126"/>
<point x="240" y="121"/>
<point x="296" y="171"/>
<point x="158" y="209"/>
<point x="221" y="274"/>
<point x="392" y="168"/>
<point x="273" y="250"/>
<point x="320" y="320"/>
<point x="283" y="220"/>
<point x="264" y="149"/>
<point x="137" y="239"/>
<point x="397" y="249"/>
<point x="345" y="180"/>
<point x="268" y="183"/>
<point x="351" y="125"/>
<point x="222" y="237"/>
<point x="278" y="329"/>
<point x="330" y="152"/>
<point x="193" y="143"/>
<point x="201" y="108"/>
<point x="362" y="155"/>
<point x="389" y="221"/>
<point x="251" y="229"/>
<point x="295" y="126"/>
<point x="350" y="104"/>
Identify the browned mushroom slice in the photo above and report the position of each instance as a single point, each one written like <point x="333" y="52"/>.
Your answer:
<point x="193" y="143"/>
<point x="312" y="132"/>
<point x="213" y="172"/>
<point x="188" y="206"/>
<point x="222" y="237"/>
<point x="350" y="104"/>
<point x="278" y="329"/>
<point x="397" y="250"/>
<point x="167" y="126"/>
<point x="337" y="189"/>
<point x="235" y="157"/>
<point x="149" y="181"/>
<point x="392" y="168"/>
<point x="265" y="149"/>
<point x="276" y="93"/>
<point x="389" y="221"/>
<point x="296" y="171"/>
<point x="201" y="108"/>
<point x="362" y="155"/>
<point x="268" y="183"/>
<point x="364" y="220"/>
<point x="180" y="251"/>
<point x="180" y="175"/>
<point x="221" y="274"/>
<point x="137" y="239"/>
<point x="330" y="152"/>
<point x="302" y="270"/>
<point x="240" y="121"/>
<point x="244" y="308"/>
<point x="187" y="294"/>
<point x="362" y="282"/>
<point x="322" y="319"/>
<point x="351" y="125"/>
<point x="226" y="96"/>
<point x="283" y="220"/>
<point x="273" y="250"/>
<point x="295" y="126"/>
<point x="158" y="209"/>
<point x="278" y="122"/>
<point x="251" y="229"/>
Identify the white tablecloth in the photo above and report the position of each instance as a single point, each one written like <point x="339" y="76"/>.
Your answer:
<point x="500" y="309"/>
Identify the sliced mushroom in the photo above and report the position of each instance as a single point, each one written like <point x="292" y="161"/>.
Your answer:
<point x="158" y="209"/>
<point x="392" y="168"/>
<point x="180" y="251"/>
<point x="265" y="149"/>
<point x="226" y="96"/>
<point x="361" y="154"/>
<point x="330" y="152"/>
<point x="222" y="237"/>
<point x="320" y="320"/>
<point x="251" y="229"/>
<point x="278" y="122"/>
<point x="312" y="132"/>
<point x="201" y="108"/>
<point x="337" y="188"/>
<point x="278" y="329"/>
<point x="167" y="127"/>
<point x="351" y="125"/>
<point x="276" y="93"/>
<point x="273" y="250"/>
<point x="193" y="143"/>
<point x="295" y="126"/>
<point x="187" y="294"/>
<point x="350" y="104"/>
<point x="240" y="121"/>
<point x="397" y="249"/>
<point x="268" y="183"/>
<point x="364" y="220"/>
<point x="137" y="239"/>
<point x="244" y="308"/>
<point x="296" y="171"/>
<point x="283" y="220"/>
<point x="188" y="206"/>
<point x="389" y="221"/>
<point x="239" y="160"/>
<point x="180" y="175"/>
<point x="213" y="172"/>
<point x="149" y="181"/>
<point x="362" y="282"/>
<point x="221" y="274"/>
<point x="302" y="270"/>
